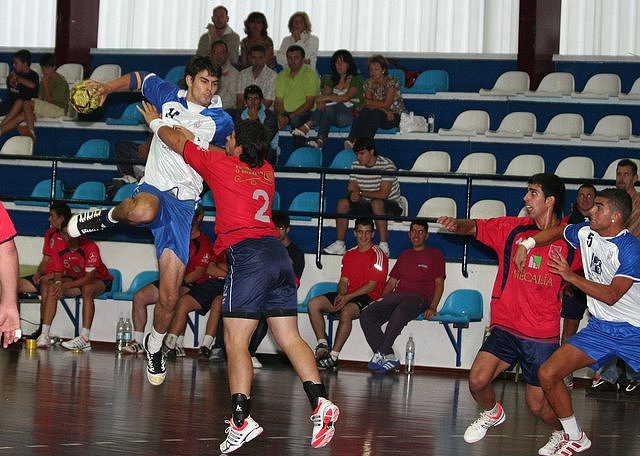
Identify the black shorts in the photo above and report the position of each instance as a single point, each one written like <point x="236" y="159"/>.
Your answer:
<point x="573" y="307"/>
<point x="361" y="301"/>
<point x="363" y="207"/>
<point x="204" y="293"/>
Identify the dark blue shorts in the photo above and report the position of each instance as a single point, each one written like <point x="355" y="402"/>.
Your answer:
<point x="172" y="225"/>
<point x="204" y="293"/>
<point x="361" y="301"/>
<point x="260" y="281"/>
<point x="511" y="349"/>
<point x="573" y="307"/>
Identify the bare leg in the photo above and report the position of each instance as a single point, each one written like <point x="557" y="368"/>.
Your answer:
<point x="318" y="305"/>
<point x="171" y="274"/>
<point x="342" y="223"/>
<point x="540" y="407"/>
<point x="10" y="124"/>
<point x="89" y="292"/>
<point x="348" y="313"/>
<point x="237" y="334"/>
<point x="486" y="367"/>
<point x="285" y="332"/>
<point x="186" y="304"/>
<point x="147" y="295"/>
<point x="29" y="115"/>
<point x="16" y="109"/>
<point x="377" y="207"/>
<point x="214" y="317"/>
<point x="141" y="209"/>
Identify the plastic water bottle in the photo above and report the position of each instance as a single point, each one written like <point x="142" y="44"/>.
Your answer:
<point x="120" y="335"/>
<point x="431" y="123"/>
<point x="128" y="332"/>
<point x="410" y="354"/>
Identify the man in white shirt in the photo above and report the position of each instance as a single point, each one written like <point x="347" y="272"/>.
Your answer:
<point x="228" y="83"/>
<point x="219" y="30"/>
<point x="257" y="74"/>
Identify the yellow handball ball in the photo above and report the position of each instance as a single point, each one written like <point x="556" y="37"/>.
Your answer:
<point x="83" y="99"/>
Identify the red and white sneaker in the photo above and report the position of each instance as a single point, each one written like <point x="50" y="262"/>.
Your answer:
<point x="478" y="429"/>
<point x="567" y="447"/>
<point x="237" y="436"/>
<point x="324" y="418"/>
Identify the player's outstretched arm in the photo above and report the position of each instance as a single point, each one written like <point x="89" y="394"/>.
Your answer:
<point x="465" y="227"/>
<point x="131" y="82"/>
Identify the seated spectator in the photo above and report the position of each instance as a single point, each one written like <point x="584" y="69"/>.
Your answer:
<point x="300" y="29"/>
<point x="22" y="85"/>
<point x="362" y="279"/>
<point x="78" y="270"/>
<point x="228" y="81"/>
<point x="257" y="74"/>
<point x="217" y="30"/>
<point x="131" y="150"/>
<point x="200" y="248"/>
<point x="341" y="96"/>
<point x="382" y="104"/>
<point x="414" y="287"/>
<point x="368" y="194"/>
<point x="296" y="90"/>
<point x="256" y="110"/>
<point x="255" y="27"/>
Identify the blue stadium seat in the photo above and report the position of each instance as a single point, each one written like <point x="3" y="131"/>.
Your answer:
<point x="343" y="159"/>
<point x="398" y="74"/>
<point x="124" y="192"/>
<point x="116" y="285"/>
<point x="207" y="202"/>
<point x="130" y="116"/>
<point x="430" y="81"/>
<point x="304" y="202"/>
<point x="88" y="191"/>
<point x="94" y="148"/>
<point x="275" y="204"/>
<point x="140" y="280"/>
<point x="305" y="157"/>
<point x="175" y="74"/>
<point x="43" y="190"/>
<point x="319" y="289"/>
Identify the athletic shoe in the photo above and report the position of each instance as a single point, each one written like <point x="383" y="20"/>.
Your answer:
<point x="327" y="363"/>
<point x="390" y="364"/>
<point x="43" y="341"/>
<point x="86" y="222"/>
<point x="156" y="370"/>
<point x="204" y="353"/>
<point x="132" y="348"/>
<point x="324" y="419"/>
<point x="317" y="143"/>
<point x="348" y="144"/>
<point x="180" y="353"/>
<point x="600" y="386"/>
<point x="256" y="363"/>
<point x="631" y="389"/>
<point x="77" y="343"/>
<point x="375" y="364"/>
<point x="550" y="446"/>
<point x="217" y="355"/>
<point x="478" y="429"/>
<point x="337" y="248"/>
<point x="384" y="246"/>
<point x="568" y="447"/>
<point x="322" y="350"/>
<point x="237" y="436"/>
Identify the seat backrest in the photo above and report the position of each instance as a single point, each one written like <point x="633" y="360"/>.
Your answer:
<point x="512" y="81"/>
<point x="566" y="124"/>
<point x="304" y="202"/>
<point x="472" y="120"/>
<point x="116" y="285"/>
<point x="94" y="148"/>
<point x="489" y="208"/>
<point x="106" y="72"/>
<point x="142" y="279"/>
<point x="438" y="206"/>
<point x="72" y="72"/>
<point x="614" y="125"/>
<point x="558" y="82"/>
<point x="478" y="163"/>
<point x="130" y="116"/>
<point x="610" y="173"/>
<point x="434" y="161"/>
<point x="4" y="70"/>
<point x="175" y="74"/>
<point x="398" y="74"/>
<point x="124" y="192"/>
<point x="603" y="84"/>
<point x="275" y="204"/>
<point x="207" y="202"/>
<point x="17" y="145"/>
<point x="431" y="81"/>
<point x="35" y="66"/>
<point x="518" y="122"/>
<point x="464" y="302"/>
<point x="317" y="289"/>
<point x="403" y="202"/>
<point x="635" y="88"/>
<point x="88" y="191"/>
<point x="305" y="157"/>
<point x="343" y="159"/>
<point x="525" y="165"/>
<point x="578" y="167"/>
<point x="43" y="190"/>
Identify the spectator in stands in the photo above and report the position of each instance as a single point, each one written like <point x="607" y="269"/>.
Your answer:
<point x="414" y="287"/>
<point x="340" y="97"/>
<point x="255" y="27"/>
<point x="78" y="270"/>
<point x="131" y="150"/>
<point x="257" y="74"/>
<point x="362" y="279"/>
<point x="368" y="194"/>
<point x="200" y="248"/>
<point x="22" y="85"/>
<point x="382" y="104"/>
<point x="626" y="179"/>
<point x="219" y="30"/>
<point x="59" y="214"/>
<point x="228" y="83"/>
<point x="256" y="110"/>
<point x="9" y="316"/>
<point x="300" y="29"/>
<point x="296" y="91"/>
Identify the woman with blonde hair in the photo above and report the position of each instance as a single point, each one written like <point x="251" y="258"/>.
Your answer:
<point x="300" y="28"/>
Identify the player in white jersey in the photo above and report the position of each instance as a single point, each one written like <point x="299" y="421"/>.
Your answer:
<point x="611" y="263"/>
<point x="166" y="199"/>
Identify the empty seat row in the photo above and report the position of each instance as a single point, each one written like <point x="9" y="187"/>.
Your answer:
<point x="427" y="82"/>
<point x="91" y="148"/>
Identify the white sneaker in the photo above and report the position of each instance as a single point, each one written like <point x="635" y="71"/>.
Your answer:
<point x="550" y="446"/>
<point x="43" y="341"/>
<point x="77" y="343"/>
<point x="256" y="363"/>
<point x="180" y="353"/>
<point x="568" y="447"/>
<point x="237" y="436"/>
<point x="324" y="418"/>
<point x="384" y="246"/>
<point x="478" y="429"/>
<point x="337" y="248"/>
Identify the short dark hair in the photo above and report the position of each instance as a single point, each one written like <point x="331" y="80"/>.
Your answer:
<point x="365" y="143"/>
<point x="226" y="11"/>
<point x="551" y="185"/>
<point x="254" y="139"/>
<point x="365" y="221"/>
<point x="199" y="63"/>
<point x="420" y="222"/>
<point x="296" y="48"/>
<point x="221" y="43"/>
<point x="48" y="60"/>
<point x="23" y="55"/>
<point x="630" y="163"/>
<point x="280" y="219"/>
<point x="61" y="209"/>
<point x="253" y="89"/>
<point x="253" y="17"/>
<point x="619" y="201"/>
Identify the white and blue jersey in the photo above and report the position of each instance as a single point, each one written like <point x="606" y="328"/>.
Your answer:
<point x="165" y="169"/>
<point x="603" y="259"/>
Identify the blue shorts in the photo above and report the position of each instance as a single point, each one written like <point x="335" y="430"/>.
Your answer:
<point x="512" y="349"/>
<point x="602" y="340"/>
<point x="204" y="293"/>
<point x="172" y="226"/>
<point x="260" y="281"/>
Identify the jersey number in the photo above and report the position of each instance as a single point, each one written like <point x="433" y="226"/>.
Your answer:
<point x="261" y="215"/>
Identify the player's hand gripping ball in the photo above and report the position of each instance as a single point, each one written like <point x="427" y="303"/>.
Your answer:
<point x="83" y="99"/>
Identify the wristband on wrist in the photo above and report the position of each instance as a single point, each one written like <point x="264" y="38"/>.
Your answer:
<point x="155" y="125"/>
<point x="528" y="243"/>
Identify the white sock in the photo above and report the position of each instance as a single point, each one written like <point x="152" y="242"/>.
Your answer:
<point x="207" y="341"/>
<point x="45" y="330"/>
<point x="180" y="341"/>
<point x="335" y="354"/>
<point x="495" y="411"/>
<point x="155" y="341"/>
<point x="571" y="427"/>
<point x="138" y="336"/>
<point x="322" y="341"/>
<point x="170" y="340"/>
<point x="85" y="332"/>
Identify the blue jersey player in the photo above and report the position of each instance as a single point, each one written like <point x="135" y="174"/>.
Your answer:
<point x="166" y="199"/>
